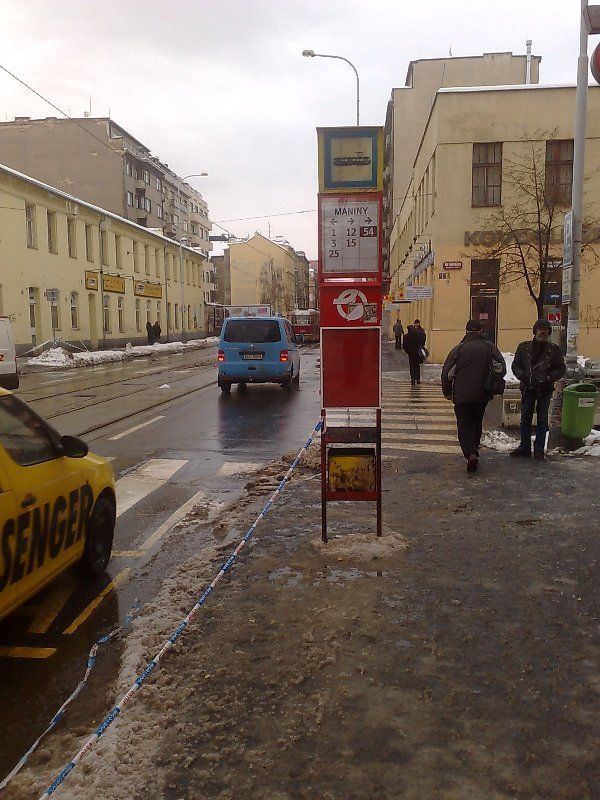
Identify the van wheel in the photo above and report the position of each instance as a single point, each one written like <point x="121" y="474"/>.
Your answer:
<point x="296" y="380"/>
<point x="224" y="386"/>
<point x="287" y="384"/>
<point x="242" y="387"/>
<point x="99" y="538"/>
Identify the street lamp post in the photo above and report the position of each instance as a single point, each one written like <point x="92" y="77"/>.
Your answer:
<point x="312" y="54"/>
<point x="181" y="239"/>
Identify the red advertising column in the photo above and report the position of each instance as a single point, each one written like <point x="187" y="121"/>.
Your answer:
<point x="350" y="285"/>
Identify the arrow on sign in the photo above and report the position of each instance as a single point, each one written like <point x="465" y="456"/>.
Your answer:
<point x="368" y="220"/>
<point x="350" y="222"/>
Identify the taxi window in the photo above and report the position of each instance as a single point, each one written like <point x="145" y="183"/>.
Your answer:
<point x="23" y="435"/>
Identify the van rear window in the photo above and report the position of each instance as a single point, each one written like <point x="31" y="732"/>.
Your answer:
<point x="257" y="331"/>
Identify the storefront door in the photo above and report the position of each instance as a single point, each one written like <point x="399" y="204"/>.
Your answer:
<point x="485" y="310"/>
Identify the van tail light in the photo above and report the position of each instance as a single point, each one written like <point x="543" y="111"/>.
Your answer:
<point x="221" y="355"/>
<point x="284" y="356"/>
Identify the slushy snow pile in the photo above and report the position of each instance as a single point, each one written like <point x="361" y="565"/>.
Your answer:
<point x="591" y="446"/>
<point x="498" y="440"/>
<point x="60" y="358"/>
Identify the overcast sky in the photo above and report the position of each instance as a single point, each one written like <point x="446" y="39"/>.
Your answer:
<point x="221" y="86"/>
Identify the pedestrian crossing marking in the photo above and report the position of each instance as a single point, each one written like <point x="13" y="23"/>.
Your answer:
<point x="53" y="605"/>
<point x="430" y="437"/>
<point x="425" y="448"/>
<point x="27" y="652"/>
<point x="144" y="480"/>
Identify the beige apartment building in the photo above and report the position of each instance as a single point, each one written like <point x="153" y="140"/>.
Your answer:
<point x="263" y="270"/>
<point x="98" y="161"/>
<point x="445" y="231"/>
<point x="111" y="275"/>
<point x="410" y="106"/>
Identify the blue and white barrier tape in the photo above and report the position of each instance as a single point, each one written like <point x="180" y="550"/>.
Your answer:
<point x="91" y="663"/>
<point x="171" y="641"/>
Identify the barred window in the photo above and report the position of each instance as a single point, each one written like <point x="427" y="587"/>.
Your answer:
<point x="487" y="174"/>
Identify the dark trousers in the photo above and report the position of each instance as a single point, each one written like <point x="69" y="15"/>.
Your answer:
<point x="529" y="401"/>
<point x="414" y="362"/>
<point x="399" y="341"/>
<point x="469" y="421"/>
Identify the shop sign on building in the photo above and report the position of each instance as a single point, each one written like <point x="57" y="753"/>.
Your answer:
<point x="415" y="293"/>
<point x="113" y="283"/>
<point x="91" y="280"/>
<point x="147" y="289"/>
<point x="452" y="265"/>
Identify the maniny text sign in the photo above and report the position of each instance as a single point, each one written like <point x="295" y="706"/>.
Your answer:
<point x="350" y="229"/>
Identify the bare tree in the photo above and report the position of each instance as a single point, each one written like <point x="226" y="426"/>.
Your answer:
<point x="525" y="233"/>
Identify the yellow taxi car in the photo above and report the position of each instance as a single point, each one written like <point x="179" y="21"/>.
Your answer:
<point x="57" y="504"/>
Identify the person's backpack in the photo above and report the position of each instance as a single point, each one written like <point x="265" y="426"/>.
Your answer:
<point x="494" y="382"/>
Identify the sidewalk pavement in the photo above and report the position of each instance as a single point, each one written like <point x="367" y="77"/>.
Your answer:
<point x="455" y="658"/>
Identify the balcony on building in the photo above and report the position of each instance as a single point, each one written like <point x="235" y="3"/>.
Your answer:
<point x="140" y="185"/>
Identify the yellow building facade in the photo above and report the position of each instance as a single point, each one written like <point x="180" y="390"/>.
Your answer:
<point x="111" y="276"/>
<point x="444" y="231"/>
<point x="265" y="271"/>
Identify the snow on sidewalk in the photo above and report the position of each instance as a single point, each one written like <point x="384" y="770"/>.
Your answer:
<point x="60" y="358"/>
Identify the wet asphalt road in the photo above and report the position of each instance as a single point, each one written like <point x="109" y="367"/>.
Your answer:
<point x="171" y="437"/>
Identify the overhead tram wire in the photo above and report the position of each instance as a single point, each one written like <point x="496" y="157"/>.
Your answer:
<point x="267" y="216"/>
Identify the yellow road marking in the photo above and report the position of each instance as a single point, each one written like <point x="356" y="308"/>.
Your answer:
<point x="114" y="584"/>
<point x="27" y="652"/>
<point x="51" y="609"/>
<point x="128" y="553"/>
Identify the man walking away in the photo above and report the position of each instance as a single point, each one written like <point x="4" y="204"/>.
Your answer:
<point x="398" y="333"/>
<point x="150" y="332"/>
<point x="414" y="339"/>
<point x="156" y="331"/>
<point x="537" y="364"/>
<point x="466" y="380"/>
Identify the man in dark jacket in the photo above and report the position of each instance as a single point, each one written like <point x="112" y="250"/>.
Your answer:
<point x="156" y="331"/>
<point x="414" y="339"/>
<point x="466" y="381"/>
<point x="537" y="364"/>
<point x="150" y="332"/>
<point x="398" y="333"/>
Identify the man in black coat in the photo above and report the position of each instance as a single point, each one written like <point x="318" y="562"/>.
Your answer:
<point x="398" y="333"/>
<point x="466" y="381"/>
<point x="414" y="339"/>
<point x="537" y="364"/>
<point x="156" y="331"/>
<point x="150" y="332"/>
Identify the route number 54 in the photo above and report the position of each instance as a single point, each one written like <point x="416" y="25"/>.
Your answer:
<point x="368" y="230"/>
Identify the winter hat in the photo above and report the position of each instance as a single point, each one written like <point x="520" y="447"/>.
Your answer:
<point x="542" y="323"/>
<point x="473" y="325"/>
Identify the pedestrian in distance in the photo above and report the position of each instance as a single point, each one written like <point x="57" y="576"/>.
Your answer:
<point x="398" y="333"/>
<point x="537" y="364"/>
<point x="473" y="372"/>
<point x="156" y="331"/>
<point x="150" y="332"/>
<point x="413" y="344"/>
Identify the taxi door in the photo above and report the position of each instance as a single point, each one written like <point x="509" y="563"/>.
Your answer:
<point x="8" y="512"/>
<point x="46" y="490"/>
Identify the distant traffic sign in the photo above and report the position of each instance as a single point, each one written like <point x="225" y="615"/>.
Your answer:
<point x="51" y="295"/>
<point x="419" y="293"/>
<point x="568" y="240"/>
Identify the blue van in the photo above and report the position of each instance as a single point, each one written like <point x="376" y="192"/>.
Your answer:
<point x="258" y="350"/>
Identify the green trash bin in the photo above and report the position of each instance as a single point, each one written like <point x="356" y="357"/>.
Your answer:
<point x="579" y="408"/>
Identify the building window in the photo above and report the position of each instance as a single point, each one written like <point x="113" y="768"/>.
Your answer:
<point x="106" y="310"/>
<point x="74" y="310"/>
<point x="158" y="185"/>
<point x="147" y="204"/>
<point x="136" y="256"/>
<point x="158" y="313"/>
<point x="104" y="248"/>
<point x="30" y="226"/>
<point x="159" y="211"/>
<point x="148" y="311"/>
<point x="55" y="317"/>
<point x="147" y="259"/>
<point x="51" y="222"/>
<point x="185" y="225"/>
<point x="559" y="171"/>
<point x="138" y="315"/>
<point x="146" y="177"/>
<point x="129" y="170"/>
<point x="176" y="315"/>
<point x="168" y="260"/>
<point x="89" y="243"/>
<point x="487" y="174"/>
<point x="120" y="315"/>
<point x="168" y="317"/>
<point x="175" y="219"/>
<point x="130" y="199"/>
<point x="118" y="251"/>
<point x="72" y="237"/>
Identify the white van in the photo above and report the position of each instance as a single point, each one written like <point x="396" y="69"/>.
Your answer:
<point x="9" y="379"/>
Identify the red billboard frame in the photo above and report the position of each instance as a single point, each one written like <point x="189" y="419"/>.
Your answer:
<point x="350" y="277"/>
<point x="351" y="367"/>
